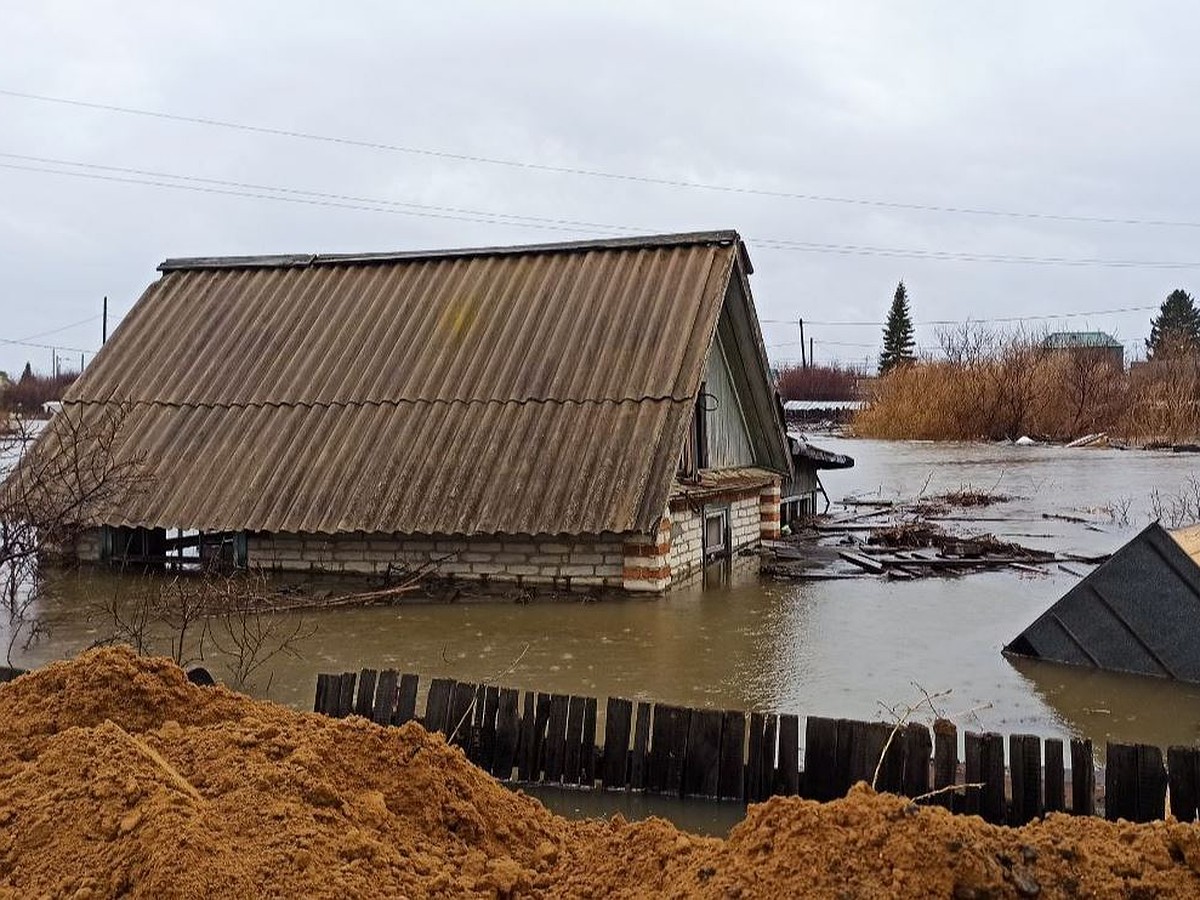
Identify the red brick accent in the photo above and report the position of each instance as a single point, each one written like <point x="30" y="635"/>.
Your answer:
<point x="646" y="573"/>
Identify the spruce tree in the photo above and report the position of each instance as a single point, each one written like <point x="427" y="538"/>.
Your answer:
<point x="1176" y="327"/>
<point x="898" y="339"/>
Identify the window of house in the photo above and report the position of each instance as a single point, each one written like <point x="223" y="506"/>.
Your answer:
<point x="716" y="532"/>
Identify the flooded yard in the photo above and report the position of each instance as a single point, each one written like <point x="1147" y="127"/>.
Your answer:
<point x="835" y="648"/>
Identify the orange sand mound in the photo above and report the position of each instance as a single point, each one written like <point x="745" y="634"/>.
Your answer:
<point x="118" y="778"/>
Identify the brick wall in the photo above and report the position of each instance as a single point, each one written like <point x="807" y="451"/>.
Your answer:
<point x="583" y="561"/>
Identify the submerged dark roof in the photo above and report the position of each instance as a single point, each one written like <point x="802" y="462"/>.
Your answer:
<point x="542" y="389"/>
<point x="1138" y="612"/>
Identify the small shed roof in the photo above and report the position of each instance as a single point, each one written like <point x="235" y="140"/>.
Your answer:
<point x="1138" y="612"/>
<point x="535" y="389"/>
<point x="1074" y="340"/>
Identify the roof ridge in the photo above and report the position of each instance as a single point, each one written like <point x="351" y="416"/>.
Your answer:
<point x="331" y="404"/>
<point x="306" y="260"/>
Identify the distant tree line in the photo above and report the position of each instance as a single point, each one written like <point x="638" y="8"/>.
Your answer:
<point x="30" y="391"/>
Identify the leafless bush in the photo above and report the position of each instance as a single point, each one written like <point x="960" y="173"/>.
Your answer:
<point x="52" y="492"/>
<point x="1180" y="508"/>
<point x="212" y="617"/>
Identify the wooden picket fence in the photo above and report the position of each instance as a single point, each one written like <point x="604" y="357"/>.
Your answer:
<point x="538" y="738"/>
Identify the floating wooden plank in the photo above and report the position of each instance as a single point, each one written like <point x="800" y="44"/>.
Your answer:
<point x="992" y="804"/>
<point x="617" y="726"/>
<point x="365" y="704"/>
<point x="972" y="771"/>
<point x="406" y="699"/>
<point x="945" y="761"/>
<point x="1025" y="775"/>
<point x="918" y="747"/>
<point x="574" y="746"/>
<point x="437" y="705"/>
<point x="345" y="704"/>
<point x="787" y="781"/>
<point x="1083" y="778"/>
<point x="1055" y="797"/>
<point x="458" y="723"/>
<point x="731" y="780"/>
<point x="702" y="763"/>
<point x="1183" y="774"/>
<point x="863" y="562"/>
<point x="508" y="724"/>
<point x="754" y="757"/>
<point x="527" y="756"/>
<point x="820" y="758"/>
<point x="638" y="762"/>
<point x="587" y="762"/>
<point x="385" y="697"/>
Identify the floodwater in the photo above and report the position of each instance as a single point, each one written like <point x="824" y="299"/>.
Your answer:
<point x="832" y="648"/>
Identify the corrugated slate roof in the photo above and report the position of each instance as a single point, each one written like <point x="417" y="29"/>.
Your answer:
<point x="1138" y="612"/>
<point x="542" y="389"/>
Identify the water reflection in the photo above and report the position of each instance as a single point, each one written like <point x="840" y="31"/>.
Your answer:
<point x="836" y="648"/>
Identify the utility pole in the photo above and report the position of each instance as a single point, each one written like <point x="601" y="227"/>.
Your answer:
<point x="104" y="326"/>
<point x="803" y="358"/>
<point x="812" y="359"/>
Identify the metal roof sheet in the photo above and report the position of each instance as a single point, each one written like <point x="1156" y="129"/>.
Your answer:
<point x="538" y="390"/>
<point x="1138" y="612"/>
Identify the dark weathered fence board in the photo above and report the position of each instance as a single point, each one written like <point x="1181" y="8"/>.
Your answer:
<point x="437" y="705"/>
<point x="754" y="758"/>
<point x="527" y="755"/>
<point x="918" y="747"/>
<point x="680" y="719"/>
<point x="844" y="769"/>
<point x="487" y="725"/>
<point x="322" y="693"/>
<point x="820" y="758"/>
<point x="1151" y="784"/>
<point x="1120" y="782"/>
<point x="385" y="697"/>
<point x="406" y="699"/>
<point x="972" y="771"/>
<point x="1055" y="797"/>
<point x="458" y="723"/>
<point x="508" y="724"/>
<point x="541" y="722"/>
<point x="587" y="762"/>
<point x="730" y="782"/>
<point x="1183" y="772"/>
<point x="945" y="761"/>
<point x="345" y="704"/>
<point x="638" y="762"/>
<point x="1083" y="778"/>
<point x="616" y="742"/>
<point x="887" y="751"/>
<point x="769" y="747"/>
<point x="702" y="765"/>
<point x="574" y="748"/>
<point x="1025" y="775"/>
<point x="787" y="780"/>
<point x="365" y="704"/>
<point x="992" y="805"/>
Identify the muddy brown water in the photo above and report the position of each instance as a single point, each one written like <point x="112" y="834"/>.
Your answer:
<point x="836" y="648"/>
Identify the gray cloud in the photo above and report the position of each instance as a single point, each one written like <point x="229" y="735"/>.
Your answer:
<point x="1073" y="108"/>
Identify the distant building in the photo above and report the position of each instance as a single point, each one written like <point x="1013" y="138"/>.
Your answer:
<point x="1089" y="343"/>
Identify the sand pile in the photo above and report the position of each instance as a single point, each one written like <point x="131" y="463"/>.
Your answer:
<point x="118" y="778"/>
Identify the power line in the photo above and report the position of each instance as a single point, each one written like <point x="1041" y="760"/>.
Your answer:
<point x="603" y="174"/>
<point x="971" y="320"/>
<point x="316" y="198"/>
<point x="42" y="334"/>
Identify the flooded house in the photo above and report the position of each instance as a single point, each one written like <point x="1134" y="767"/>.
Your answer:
<point x="585" y="414"/>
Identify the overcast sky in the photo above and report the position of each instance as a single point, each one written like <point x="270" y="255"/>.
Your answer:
<point x="1075" y="109"/>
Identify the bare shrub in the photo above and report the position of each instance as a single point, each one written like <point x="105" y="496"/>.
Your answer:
<point x="818" y="383"/>
<point x="51" y="495"/>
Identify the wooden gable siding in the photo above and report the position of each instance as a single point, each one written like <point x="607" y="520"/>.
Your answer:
<point x="728" y="437"/>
